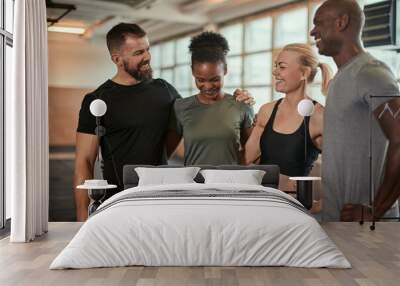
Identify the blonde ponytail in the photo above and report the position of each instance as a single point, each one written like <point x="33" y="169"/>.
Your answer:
<point x="326" y="77"/>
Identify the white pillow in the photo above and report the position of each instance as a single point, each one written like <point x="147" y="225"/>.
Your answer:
<point x="163" y="176"/>
<point x="248" y="177"/>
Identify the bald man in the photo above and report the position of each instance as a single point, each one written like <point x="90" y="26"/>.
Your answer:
<point x="361" y="87"/>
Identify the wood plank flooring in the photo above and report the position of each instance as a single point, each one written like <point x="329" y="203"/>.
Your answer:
<point x="375" y="257"/>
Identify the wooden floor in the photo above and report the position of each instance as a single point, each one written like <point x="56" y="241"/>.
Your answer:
<point x="375" y="257"/>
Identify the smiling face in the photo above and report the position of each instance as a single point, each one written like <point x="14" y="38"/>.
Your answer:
<point x="134" y="57"/>
<point x="209" y="78"/>
<point x="288" y="73"/>
<point x="328" y="40"/>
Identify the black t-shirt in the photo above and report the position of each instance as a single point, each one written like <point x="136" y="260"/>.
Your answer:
<point x="136" y="122"/>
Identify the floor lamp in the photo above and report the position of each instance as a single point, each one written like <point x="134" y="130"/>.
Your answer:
<point x="304" y="184"/>
<point x="97" y="188"/>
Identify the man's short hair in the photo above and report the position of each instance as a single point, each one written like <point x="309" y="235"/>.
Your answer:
<point x="117" y="35"/>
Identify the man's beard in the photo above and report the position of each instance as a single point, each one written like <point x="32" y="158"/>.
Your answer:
<point x="137" y="73"/>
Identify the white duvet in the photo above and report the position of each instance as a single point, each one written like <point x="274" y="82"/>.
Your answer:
<point x="207" y="230"/>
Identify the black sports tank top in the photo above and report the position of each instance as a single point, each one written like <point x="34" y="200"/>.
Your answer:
<point x="288" y="150"/>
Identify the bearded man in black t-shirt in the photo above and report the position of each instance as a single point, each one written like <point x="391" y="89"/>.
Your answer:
<point x="138" y="117"/>
<point x="139" y="122"/>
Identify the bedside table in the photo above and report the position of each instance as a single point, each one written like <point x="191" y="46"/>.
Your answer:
<point x="96" y="191"/>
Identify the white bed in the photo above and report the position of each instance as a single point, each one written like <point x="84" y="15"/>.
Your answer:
<point x="201" y="224"/>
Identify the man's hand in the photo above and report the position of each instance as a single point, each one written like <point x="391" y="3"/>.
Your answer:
<point x="242" y="95"/>
<point x="355" y="212"/>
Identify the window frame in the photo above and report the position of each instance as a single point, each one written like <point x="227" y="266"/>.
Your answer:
<point x="185" y="92"/>
<point x="274" y="13"/>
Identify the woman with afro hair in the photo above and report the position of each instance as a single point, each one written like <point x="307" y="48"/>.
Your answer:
<point x="214" y="125"/>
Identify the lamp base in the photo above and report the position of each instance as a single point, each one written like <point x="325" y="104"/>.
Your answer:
<point x="304" y="190"/>
<point x="305" y="193"/>
<point x="96" y="193"/>
<point x="96" y="196"/>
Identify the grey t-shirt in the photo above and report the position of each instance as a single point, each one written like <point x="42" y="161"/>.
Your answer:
<point x="211" y="132"/>
<point x="347" y="120"/>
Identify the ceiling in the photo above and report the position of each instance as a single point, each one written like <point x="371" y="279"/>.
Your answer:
<point x="160" y="18"/>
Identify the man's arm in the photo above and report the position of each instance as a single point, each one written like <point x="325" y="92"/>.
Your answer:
<point x="87" y="146"/>
<point x="173" y="136"/>
<point x="174" y="133"/>
<point x="389" y="191"/>
<point x="172" y="141"/>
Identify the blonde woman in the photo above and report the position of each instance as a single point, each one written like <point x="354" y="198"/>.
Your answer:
<point x="279" y="134"/>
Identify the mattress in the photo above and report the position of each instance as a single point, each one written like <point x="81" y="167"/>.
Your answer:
<point x="201" y="225"/>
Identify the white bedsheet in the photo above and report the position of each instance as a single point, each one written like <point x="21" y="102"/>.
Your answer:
<point x="200" y="231"/>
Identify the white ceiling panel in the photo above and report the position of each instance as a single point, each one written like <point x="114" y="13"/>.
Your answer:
<point x="160" y="18"/>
